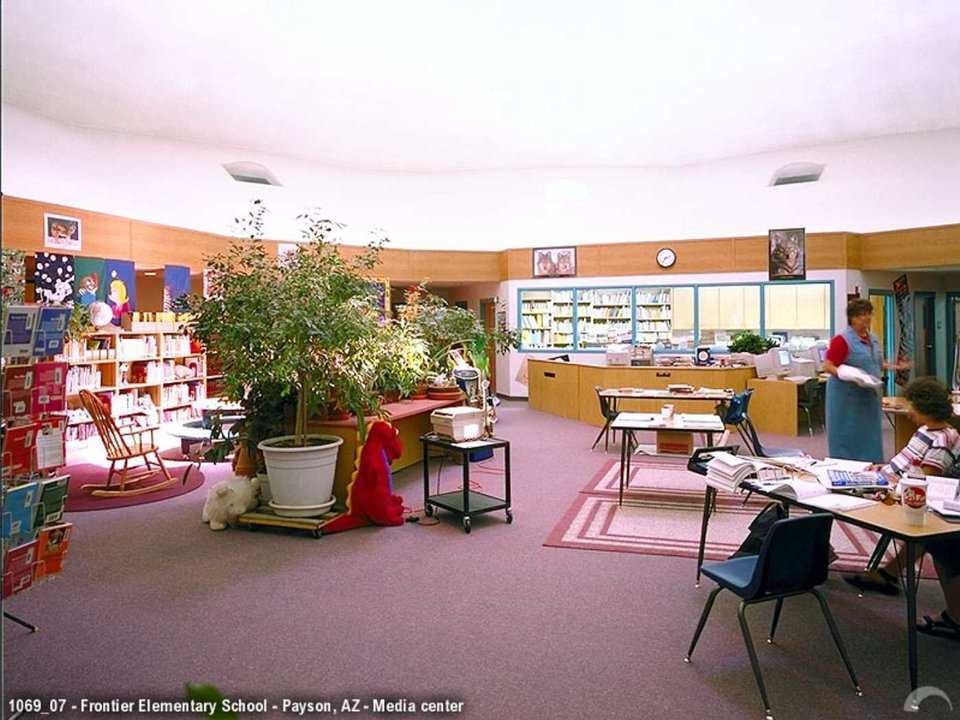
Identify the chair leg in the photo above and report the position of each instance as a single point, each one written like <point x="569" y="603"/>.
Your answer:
<point x="837" y="639"/>
<point x="754" y="663"/>
<point x="603" y="432"/>
<point x="703" y="621"/>
<point x="163" y="468"/>
<point x="809" y="421"/>
<point x="776" y="619"/>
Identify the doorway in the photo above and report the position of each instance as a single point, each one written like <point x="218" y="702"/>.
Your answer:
<point x="953" y="340"/>
<point x="926" y="334"/>
<point x="488" y="315"/>
<point x="884" y="326"/>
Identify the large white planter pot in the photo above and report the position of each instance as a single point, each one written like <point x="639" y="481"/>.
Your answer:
<point x="301" y="476"/>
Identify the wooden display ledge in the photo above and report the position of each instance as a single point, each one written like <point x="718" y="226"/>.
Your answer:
<point x="410" y="417"/>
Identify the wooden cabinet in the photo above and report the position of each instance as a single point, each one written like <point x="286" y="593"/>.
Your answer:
<point x="554" y="387"/>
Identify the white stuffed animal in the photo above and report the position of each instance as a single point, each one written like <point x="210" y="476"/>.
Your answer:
<point x="228" y="499"/>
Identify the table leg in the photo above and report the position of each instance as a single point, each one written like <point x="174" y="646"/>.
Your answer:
<point x="426" y="471"/>
<point x="911" y="591"/>
<point x="708" y="500"/>
<point x="623" y="459"/>
<point x="466" y="486"/>
<point x="506" y="476"/>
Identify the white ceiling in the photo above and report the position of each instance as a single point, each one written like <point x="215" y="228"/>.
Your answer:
<point x="441" y="86"/>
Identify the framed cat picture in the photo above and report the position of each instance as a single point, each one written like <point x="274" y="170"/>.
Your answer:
<point x="554" y="262"/>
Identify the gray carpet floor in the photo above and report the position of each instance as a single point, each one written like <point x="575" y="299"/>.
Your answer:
<point x="151" y="599"/>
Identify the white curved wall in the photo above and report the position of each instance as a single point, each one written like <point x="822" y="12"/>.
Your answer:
<point x="892" y="182"/>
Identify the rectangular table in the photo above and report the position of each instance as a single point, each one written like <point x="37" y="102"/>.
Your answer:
<point x="630" y="423"/>
<point x="880" y="518"/>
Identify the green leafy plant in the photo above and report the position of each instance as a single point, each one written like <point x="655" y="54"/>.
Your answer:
<point x="444" y="327"/>
<point x="79" y="322"/>
<point x="751" y="342"/>
<point x="14" y="276"/>
<point x="404" y="358"/>
<point x="301" y="326"/>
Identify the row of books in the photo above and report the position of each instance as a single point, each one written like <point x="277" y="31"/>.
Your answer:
<point x="183" y="393"/>
<point x="83" y="377"/>
<point x="177" y="345"/>
<point x="131" y="348"/>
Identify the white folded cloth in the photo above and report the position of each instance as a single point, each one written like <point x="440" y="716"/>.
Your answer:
<point x="848" y="373"/>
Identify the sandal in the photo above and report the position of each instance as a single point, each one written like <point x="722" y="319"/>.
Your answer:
<point x="880" y="581"/>
<point x="946" y="627"/>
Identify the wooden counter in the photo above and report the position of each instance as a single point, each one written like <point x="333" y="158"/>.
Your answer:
<point x="567" y="389"/>
<point x="410" y="417"/>
<point x="773" y="405"/>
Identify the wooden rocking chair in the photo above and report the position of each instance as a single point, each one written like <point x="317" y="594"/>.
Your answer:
<point x="124" y="444"/>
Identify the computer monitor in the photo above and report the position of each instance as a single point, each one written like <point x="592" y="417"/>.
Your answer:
<point x="769" y="364"/>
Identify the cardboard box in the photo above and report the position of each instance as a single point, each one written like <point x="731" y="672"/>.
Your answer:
<point x="674" y="443"/>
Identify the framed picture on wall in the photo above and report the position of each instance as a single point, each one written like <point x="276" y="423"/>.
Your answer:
<point x="554" y="262"/>
<point x="788" y="255"/>
<point x="61" y="232"/>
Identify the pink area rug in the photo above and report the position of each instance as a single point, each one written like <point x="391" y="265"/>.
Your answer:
<point x="79" y="500"/>
<point x="661" y="515"/>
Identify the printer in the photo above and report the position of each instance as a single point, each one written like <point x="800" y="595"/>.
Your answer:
<point x="458" y="423"/>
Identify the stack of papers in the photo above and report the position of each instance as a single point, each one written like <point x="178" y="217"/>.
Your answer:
<point x="727" y="472"/>
<point x="813" y="493"/>
<point x="696" y="420"/>
<point x="943" y="496"/>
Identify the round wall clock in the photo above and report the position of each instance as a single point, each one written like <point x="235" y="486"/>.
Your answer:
<point x="666" y="257"/>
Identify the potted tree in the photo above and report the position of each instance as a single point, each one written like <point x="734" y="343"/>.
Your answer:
<point x="304" y="325"/>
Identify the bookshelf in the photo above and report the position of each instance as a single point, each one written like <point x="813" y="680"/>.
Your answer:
<point x="654" y="307"/>
<point x="546" y="319"/>
<point x="603" y="313"/>
<point x="157" y="374"/>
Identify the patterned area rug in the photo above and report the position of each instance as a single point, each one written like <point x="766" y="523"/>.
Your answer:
<point x="661" y="514"/>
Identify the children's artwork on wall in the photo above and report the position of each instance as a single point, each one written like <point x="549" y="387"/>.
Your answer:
<point x="53" y="278"/>
<point x="61" y="232"/>
<point x="89" y="286"/>
<point x="121" y="288"/>
<point x="176" y="284"/>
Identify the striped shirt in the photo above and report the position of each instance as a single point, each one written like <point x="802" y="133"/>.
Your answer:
<point x="936" y="449"/>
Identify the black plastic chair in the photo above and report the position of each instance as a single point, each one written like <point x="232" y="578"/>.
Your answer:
<point x="792" y="561"/>
<point x="808" y="400"/>
<point x="609" y="413"/>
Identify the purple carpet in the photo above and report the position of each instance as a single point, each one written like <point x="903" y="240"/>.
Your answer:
<point x="150" y="599"/>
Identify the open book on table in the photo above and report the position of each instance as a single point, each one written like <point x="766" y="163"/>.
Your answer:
<point x="943" y="496"/>
<point x="813" y="493"/>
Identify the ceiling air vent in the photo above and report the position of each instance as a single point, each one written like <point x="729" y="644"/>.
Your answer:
<point x="800" y="172"/>
<point x="251" y="172"/>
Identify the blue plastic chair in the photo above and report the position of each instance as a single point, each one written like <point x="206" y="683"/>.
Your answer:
<point x="736" y="415"/>
<point x="792" y="561"/>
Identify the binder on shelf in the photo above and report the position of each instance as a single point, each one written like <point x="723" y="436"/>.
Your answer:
<point x="51" y="325"/>
<point x="53" y="541"/>
<point x="19" y="509"/>
<point x="19" y="329"/>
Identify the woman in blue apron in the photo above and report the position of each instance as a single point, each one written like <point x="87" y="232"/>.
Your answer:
<point x="854" y="415"/>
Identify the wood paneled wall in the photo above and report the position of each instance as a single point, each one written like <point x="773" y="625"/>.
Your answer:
<point x="152" y="245"/>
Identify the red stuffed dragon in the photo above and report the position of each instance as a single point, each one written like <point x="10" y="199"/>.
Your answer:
<point x="370" y="498"/>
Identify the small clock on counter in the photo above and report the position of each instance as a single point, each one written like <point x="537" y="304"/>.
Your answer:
<point x="666" y="257"/>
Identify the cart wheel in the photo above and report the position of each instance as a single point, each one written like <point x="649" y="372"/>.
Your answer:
<point x="316" y="534"/>
<point x="509" y="517"/>
<point x="428" y="510"/>
<point x="466" y="525"/>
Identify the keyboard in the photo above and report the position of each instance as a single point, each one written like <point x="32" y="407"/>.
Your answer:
<point x="849" y="480"/>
